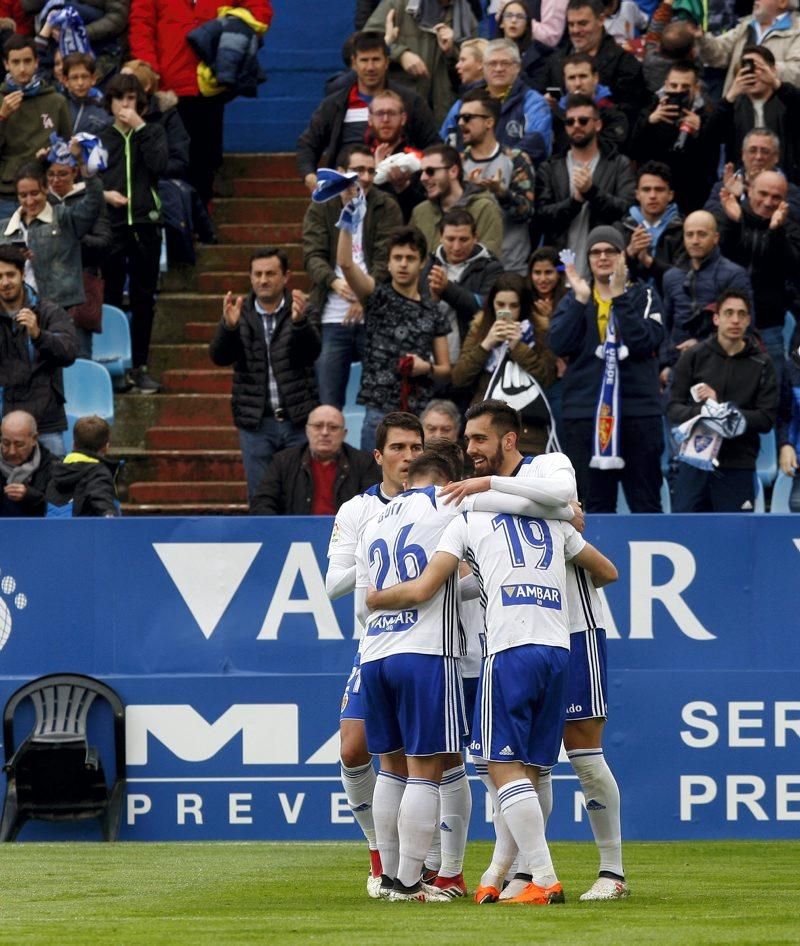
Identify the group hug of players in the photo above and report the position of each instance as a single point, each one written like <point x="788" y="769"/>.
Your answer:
<point x="483" y="630"/>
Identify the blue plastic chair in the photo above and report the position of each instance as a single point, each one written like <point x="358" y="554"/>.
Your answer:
<point x="767" y="460"/>
<point x="88" y="390"/>
<point x="353" y="384"/>
<point x="760" y="505"/>
<point x="354" y="421"/>
<point x="112" y="347"/>
<point x="780" y="495"/>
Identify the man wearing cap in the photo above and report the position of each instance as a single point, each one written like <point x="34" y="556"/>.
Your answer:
<point x="609" y="328"/>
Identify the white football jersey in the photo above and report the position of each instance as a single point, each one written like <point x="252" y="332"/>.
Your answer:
<point x="584" y="606"/>
<point x="520" y="564"/>
<point x="348" y="527"/>
<point x="475" y="630"/>
<point x="396" y="546"/>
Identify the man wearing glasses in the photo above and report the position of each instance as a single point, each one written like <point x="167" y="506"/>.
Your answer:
<point x="443" y="180"/>
<point x="624" y="409"/>
<point x="315" y="478"/>
<point x="585" y="187"/>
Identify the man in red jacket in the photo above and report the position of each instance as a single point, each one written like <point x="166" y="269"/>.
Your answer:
<point x="158" y="31"/>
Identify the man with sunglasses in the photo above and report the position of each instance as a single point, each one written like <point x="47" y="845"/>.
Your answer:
<point x="443" y="180"/>
<point x="585" y="187"/>
<point x="505" y="172"/>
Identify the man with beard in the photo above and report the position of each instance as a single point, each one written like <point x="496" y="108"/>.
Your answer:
<point x="583" y="188"/>
<point x="491" y="433"/>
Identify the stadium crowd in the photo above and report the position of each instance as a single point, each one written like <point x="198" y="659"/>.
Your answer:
<point x="592" y="214"/>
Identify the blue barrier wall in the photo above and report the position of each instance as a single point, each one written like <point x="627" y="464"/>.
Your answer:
<point x="301" y="49"/>
<point x="219" y="637"/>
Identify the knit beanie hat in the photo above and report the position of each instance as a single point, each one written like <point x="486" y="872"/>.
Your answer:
<point x="605" y="235"/>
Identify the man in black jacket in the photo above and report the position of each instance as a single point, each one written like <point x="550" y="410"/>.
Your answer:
<point x="315" y="479"/>
<point x="459" y="274"/>
<point x="618" y="70"/>
<point x="728" y="367"/>
<point x="24" y="467"/>
<point x="583" y="188"/>
<point x="37" y="340"/>
<point x="272" y="340"/>
<point x="654" y="226"/>
<point x="760" y="235"/>
<point x="342" y="118"/>
<point x="675" y="132"/>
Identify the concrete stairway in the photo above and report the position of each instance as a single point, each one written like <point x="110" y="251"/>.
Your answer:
<point x="180" y="446"/>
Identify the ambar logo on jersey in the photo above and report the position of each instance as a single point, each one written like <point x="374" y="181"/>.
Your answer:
<point x="541" y="595"/>
<point x="399" y="621"/>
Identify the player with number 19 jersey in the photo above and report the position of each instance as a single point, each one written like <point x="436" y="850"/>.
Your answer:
<point x="520" y="565"/>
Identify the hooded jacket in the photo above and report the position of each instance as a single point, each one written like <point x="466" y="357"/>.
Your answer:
<point x="574" y="335"/>
<point x="746" y="379"/>
<point x="26" y="131"/>
<point x="466" y="296"/>
<point x="485" y="212"/>
<point x="136" y="160"/>
<point x="86" y="480"/>
<point x="30" y="371"/>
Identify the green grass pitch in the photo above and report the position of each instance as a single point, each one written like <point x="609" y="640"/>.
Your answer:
<point x="682" y="893"/>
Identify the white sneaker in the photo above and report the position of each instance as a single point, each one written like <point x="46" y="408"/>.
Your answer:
<point x="513" y="887"/>
<point x="373" y="887"/>
<point x="606" y="888"/>
<point x="425" y="894"/>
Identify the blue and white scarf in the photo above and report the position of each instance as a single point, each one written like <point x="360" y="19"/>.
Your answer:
<point x="29" y="90"/>
<point x="656" y="230"/>
<point x="701" y="437"/>
<point x="606" y="452"/>
<point x="93" y="154"/>
<point x="72" y="37"/>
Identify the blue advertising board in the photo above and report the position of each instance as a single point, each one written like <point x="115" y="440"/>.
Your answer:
<point x="231" y="660"/>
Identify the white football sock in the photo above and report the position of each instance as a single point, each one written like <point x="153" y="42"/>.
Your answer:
<point x="359" y="786"/>
<point x="544" y="789"/>
<point x="601" y="794"/>
<point x="505" y="847"/>
<point x="433" y="859"/>
<point x="456" y="811"/>
<point x="523" y="815"/>
<point x="416" y="824"/>
<point x="389" y="791"/>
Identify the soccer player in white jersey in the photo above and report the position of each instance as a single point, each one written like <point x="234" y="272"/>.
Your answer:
<point x="491" y="433"/>
<point x="399" y="439"/>
<point x="520" y="564"/>
<point x="410" y="679"/>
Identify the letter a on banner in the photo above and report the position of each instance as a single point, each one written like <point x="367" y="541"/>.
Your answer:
<point x="207" y="574"/>
<point x="300" y="560"/>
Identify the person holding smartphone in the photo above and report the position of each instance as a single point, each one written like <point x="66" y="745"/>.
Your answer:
<point x="505" y="329"/>
<point x="675" y="132"/>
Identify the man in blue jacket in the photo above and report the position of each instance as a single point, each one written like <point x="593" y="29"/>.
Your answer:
<point x="611" y="406"/>
<point x="690" y="295"/>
